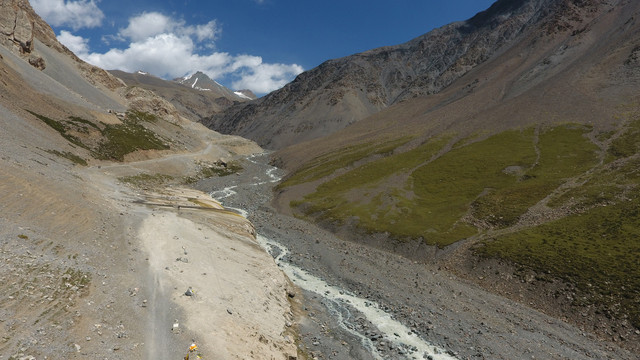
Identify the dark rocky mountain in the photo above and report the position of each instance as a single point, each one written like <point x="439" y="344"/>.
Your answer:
<point x="195" y="96"/>
<point x="342" y="91"/>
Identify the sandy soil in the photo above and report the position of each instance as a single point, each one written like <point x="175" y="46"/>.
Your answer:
<point x="239" y="308"/>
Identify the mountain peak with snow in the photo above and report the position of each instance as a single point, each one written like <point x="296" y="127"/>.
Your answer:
<point x="201" y="81"/>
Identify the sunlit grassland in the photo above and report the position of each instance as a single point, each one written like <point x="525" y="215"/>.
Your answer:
<point x="598" y="251"/>
<point x="442" y="194"/>
<point x="416" y="194"/>
<point x="597" y="246"/>
<point x="327" y="164"/>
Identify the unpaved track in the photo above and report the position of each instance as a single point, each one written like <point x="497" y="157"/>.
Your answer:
<point x="240" y="309"/>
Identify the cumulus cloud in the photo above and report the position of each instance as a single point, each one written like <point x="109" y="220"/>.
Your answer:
<point x="170" y="48"/>
<point x="264" y="78"/>
<point x="75" y="14"/>
<point x="77" y="44"/>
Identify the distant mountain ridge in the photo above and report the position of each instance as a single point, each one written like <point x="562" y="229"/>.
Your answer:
<point x="197" y="96"/>
<point x="200" y="81"/>
<point x="342" y="91"/>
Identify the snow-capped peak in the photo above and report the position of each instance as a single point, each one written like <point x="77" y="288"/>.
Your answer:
<point x="242" y="95"/>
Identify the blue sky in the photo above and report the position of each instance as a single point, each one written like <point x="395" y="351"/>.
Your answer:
<point x="255" y="44"/>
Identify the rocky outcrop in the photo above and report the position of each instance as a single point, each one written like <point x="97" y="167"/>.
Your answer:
<point x="147" y="101"/>
<point x="16" y="26"/>
<point x="20" y="26"/>
<point x="342" y="91"/>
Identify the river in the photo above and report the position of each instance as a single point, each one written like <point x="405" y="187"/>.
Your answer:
<point x="387" y="339"/>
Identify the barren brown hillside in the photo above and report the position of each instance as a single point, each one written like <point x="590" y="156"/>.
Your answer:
<point x="584" y="72"/>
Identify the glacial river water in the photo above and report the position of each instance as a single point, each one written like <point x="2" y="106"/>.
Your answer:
<point x="342" y="305"/>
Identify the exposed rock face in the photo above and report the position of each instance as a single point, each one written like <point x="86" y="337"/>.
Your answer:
<point x="147" y="101"/>
<point x="342" y="91"/>
<point x="16" y="25"/>
<point x="20" y="26"/>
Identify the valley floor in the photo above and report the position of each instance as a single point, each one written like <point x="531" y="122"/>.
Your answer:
<point x="449" y="312"/>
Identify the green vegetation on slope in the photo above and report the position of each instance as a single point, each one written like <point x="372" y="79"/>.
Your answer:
<point x="115" y="140"/>
<point x="598" y="252"/>
<point x="327" y="164"/>
<point x="211" y="170"/>
<point x="142" y="180"/>
<point x="121" y="139"/>
<point x="597" y="246"/>
<point x="416" y="194"/>
<point x="564" y="153"/>
<point x="69" y="156"/>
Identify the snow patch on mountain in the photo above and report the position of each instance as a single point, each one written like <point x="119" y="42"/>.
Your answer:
<point x="242" y="95"/>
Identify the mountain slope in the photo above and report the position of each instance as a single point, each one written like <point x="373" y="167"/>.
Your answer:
<point x="195" y="102"/>
<point x="520" y="175"/>
<point x="342" y="91"/>
<point x="85" y="270"/>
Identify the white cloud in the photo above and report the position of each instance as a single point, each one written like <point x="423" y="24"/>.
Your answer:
<point x="169" y="48"/>
<point x="146" y="25"/>
<point x="149" y="24"/>
<point x="76" y="14"/>
<point x="77" y="44"/>
<point x="264" y="78"/>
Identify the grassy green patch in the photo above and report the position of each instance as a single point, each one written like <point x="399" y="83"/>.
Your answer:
<point x="114" y="141"/>
<point x="211" y="170"/>
<point x="142" y="116"/>
<point x="69" y="156"/>
<point x="122" y="139"/>
<point x="598" y="251"/>
<point x="332" y="198"/>
<point x="564" y="153"/>
<point x="62" y="127"/>
<point x="414" y="195"/>
<point x="82" y="121"/>
<point x="597" y="246"/>
<point x="628" y="143"/>
<point x="142" y="180"/>
<point x="327" y="164"/>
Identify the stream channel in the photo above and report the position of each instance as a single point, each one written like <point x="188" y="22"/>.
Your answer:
<point x="340" y="322"/>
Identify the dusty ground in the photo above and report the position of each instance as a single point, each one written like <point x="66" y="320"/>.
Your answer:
<point x="92" y="268"/>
